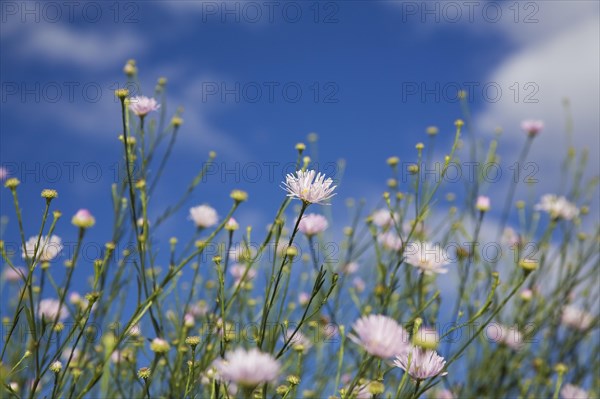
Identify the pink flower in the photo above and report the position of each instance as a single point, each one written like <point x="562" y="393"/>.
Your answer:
<point x="428" y="257"/>
<point x="303" y="298"/>
<point x="570" y="391"/>
<point x="505" y="335"/>
<point x="383" y="218"/>
<point x="421" y="364"/>
<point x="298" y="341"/>
<point x="49" y="309"/>
<point x="576" y="318"/>
<point x="3" y="173"/>
<point x="238" y="271"/>
<point x="48" y="249"/>
<point x="380" y="336"/>
<point x="142" y="105"/>
<point x="532" y="127"/>
<point x="483" y="203"/>
<point x="390" y="240"/>
<point x="247" y="368"/>
<point x="350" y="268"/>
<point x="312" y="224"/>
<point x="359" y="284"/>
<point x="204" y="216"/>
<point x="83" y="219"/>
<point x="231" y="224"/>
<point x="14" y="275"/>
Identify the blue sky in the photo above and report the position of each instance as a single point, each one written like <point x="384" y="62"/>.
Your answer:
<point x="360" y="68"/>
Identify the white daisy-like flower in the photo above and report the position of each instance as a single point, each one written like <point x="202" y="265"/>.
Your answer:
<point x="505" y="335"/>
<point x="238" y="270"/>
<point x="247" y="368"/>
<point x="421" y="364"/>
<point x="49" y="248"/>
<point x="383" y="218"/>
<point x="570" y="391"/>
<point x="532" y="127"/>
<point x="298" y="341"/>
<point x="313" y="224"/>
<point x="510" y="237"/>
<point x="576" y="318"/>
<point x="309" y="187"/>
<point x="204" y="216"/>
<point x="50" y="308"/>
<point x="380" y="336"/>
<point x="390" y="240"/>
<point x="14" y="275"/>
<point x="428" y="257"/>
<point x="557" y="207"/>
<point x="142" y="105"/>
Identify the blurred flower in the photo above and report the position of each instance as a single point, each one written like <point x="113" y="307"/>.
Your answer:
<point x="443" y="394"/>
<point x="570" y="391"/>
<point x="50" y="308"/>
<point x="383" y="218"/>
<point x="49" y="248"/>
<point x="56" y="367"/>
<point x="299" y="341"/>
<point x="142" y="105"/>
<point x="159" y="345"/>
<point x="188" y="320"/>
<point x="3" y="173"/>
<point x="199" y="309"/>
<point x="427" y="338"/>
<point x="203" y="216"/>
<point x="350" y="268"/>
<point x="506" y="335"/>
<point x="247" y="368"/>
<point x="380" y="336"/>
<point x="303" y="298"/>
<point x="428" y="257"/>
<point x="359" y="284"/>
<point x="421" y="364"/>
<point x="532" y="127"/>
<point x="483" y="203"/>
<point x="238" y="270"/>
<point x="83" y="219"/>
<point x="557" y="207"/>
<point x="312" y="224"/>
<point x="14" y="275"/>
<point x="309" y="187"/>
<point x="390" y="240"/>
<point x="576" y="318"/>
<point x="510" y="237"/>
<point x="231" y="224"/>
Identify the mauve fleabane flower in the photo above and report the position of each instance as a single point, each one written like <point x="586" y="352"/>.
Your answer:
<point x="142" y="105"/>
<point x="83" y="219"/>
<point x="532" y="127"/>
<point x="428" y="257"/>
<point x="390" y="240"/>
<point x="506" y="335"/>
<point x="313" y="224"/>
<point x="49" y="248"/>
<point x="3" y="173"/>
<point x="204" y="216"/>
<point x="238" y="270"/>
<point x="483" y="203"/>
<point x="383" y="218"/>
<point x="14" y="275"/>
<point x="576" y="318"/>
<point x="231" y="225"/>
<point x="309" y="187"/>
<point x="298" y="341"/>
<point x="570" y="391"/>
<point x="247" y="368"/>
<point x="49" y="309"/>
<point x="380" y="336"/>
<point x="557" y="207"/>
<point x="421" y="364"/>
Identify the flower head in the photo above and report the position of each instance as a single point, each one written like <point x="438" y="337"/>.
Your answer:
<point x="421" y="364"/>
<point x="56" y="367"/>
<point x="383" y="218"/>
<point x="428" y="257"/>
<point x="312" y="224"/>
<point x="380" y="336"/>
<point x="557" y="207"/>
<point x="247" y="368"/>
<point x="142" y="105"/>
<point x="309" y="187"/>
<point x="48" y="249"/>
<point x="390" y="240"/>
<point x="159" y="345"/>
<point x="483" y="203"/>
<point x="532" y="127"/>
<point x="232" y="225"/>
<point x="576" y="318"/>
<point x="204" y="216"/>
<point x="506" y="335"/>
<point x="3" y="173"/>
<point x="50" y="309"/>
<point x="570" y="391"/>
<point x="14" y="275"/>
<point x="238" y="270"/>
<point x="299" y="341"/>
<point x="144" y="373"/>
<point x="83" y="219"/>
